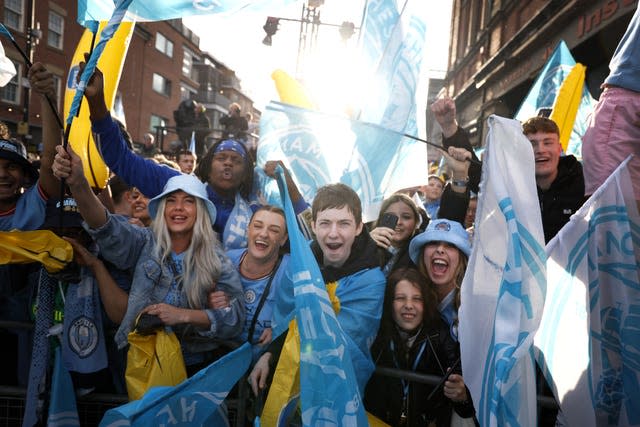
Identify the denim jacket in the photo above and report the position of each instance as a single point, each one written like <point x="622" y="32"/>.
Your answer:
<point x="625" y="64"/>
<point x="130" y="246"/>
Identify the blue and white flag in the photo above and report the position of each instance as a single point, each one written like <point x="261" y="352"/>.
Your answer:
<point x="589" y="337"/>
<point x="162" y="10"/>
<point x="7" y="69"/>
<point x="63" y="411"/>
<point x="392" y="42"/>
<point x="320" y="149"/>
<point x="192" y="144"/>
<point x="544" y="91"/>
<point x="194" y="402"/>
<point x="329" y="393"/>
<point x="503" y="291"/>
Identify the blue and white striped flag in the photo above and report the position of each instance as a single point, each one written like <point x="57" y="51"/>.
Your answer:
<point x="544" y="91"/>
<point x="194" y="402"/>
<point x="162" y="10"/>
<point x="503" y="291"/>
<point x="589" y="337"/>
<point x="320" y="149"/>
<point x="392" y="42"/>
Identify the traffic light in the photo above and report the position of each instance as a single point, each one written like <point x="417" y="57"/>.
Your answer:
<point x="270" y="27"/>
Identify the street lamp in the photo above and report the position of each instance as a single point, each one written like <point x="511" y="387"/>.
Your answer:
<point x="309" y="23"/>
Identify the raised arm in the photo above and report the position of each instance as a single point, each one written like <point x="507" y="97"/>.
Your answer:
<point x="41" y="81"/>
<point x="68" y="166"/>
<point x="142" y="173"/>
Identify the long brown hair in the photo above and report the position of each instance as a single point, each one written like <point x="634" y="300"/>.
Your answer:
<point x="430" y="313"/>
<point x="458" y="277"/>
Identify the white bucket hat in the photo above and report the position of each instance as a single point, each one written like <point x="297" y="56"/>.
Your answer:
<point x="190" y="185"/>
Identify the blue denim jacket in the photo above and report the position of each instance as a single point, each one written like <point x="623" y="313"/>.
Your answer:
<point x="130" y="246"/>
<point x="625" y="64"/>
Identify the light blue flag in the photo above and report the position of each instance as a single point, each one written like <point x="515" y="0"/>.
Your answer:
<point x="589" y="337"/>
<point x="194" y="402"/>
<point x="392" y="42"/>
<point x="161" y="10"/>
<point x="503" y="291"/>
<point x="320" y="149"/>
<point x="107" y="33"/>
<point x="63" y="411"/>
<point x="544" y="91"/>
<point x="329" y="392"/>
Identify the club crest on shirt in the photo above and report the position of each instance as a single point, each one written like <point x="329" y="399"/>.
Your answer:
<point x="83" y="336"/>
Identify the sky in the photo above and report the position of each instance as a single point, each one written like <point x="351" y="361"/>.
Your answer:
<point x="236" y="41"/>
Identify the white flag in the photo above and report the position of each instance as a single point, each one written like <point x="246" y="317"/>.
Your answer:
<point x="7" y="69"/>
<point x="503" y="291"/>
<point x="589" y="337"/>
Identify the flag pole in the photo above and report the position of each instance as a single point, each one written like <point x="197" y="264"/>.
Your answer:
<point x="439" y="147"/>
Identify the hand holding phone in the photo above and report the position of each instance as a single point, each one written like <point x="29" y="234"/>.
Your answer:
<point x="389" y="220"/>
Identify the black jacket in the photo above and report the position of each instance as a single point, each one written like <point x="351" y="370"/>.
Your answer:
<point x="384" y="395"/>
<point x="563" y="198"/>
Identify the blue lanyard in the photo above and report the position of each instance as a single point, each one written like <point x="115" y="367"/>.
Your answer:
<point x="405" y="384"/>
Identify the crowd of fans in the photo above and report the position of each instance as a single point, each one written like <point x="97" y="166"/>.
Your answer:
<point x="188" y="243"/>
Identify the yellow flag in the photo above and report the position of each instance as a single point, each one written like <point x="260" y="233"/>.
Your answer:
<point x="291" y="91"/>
<point x="565" y="107"/>
<point x="21" y="247"/>
<point x="110" y="63"/>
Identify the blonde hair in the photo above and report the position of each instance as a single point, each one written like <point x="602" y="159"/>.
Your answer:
<point x="201" y="265"/>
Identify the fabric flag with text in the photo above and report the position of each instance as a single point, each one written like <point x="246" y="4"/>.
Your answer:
<point x="162" y="10"/>
<point x="392" y="42"/>
<point x="319" y="148"/>
<point x="544" y="91"/>
<point x="196" y="401"/>
<point x="589" y="337"/>
<point x="328" y="389"/>
<point x="503" y="291"/>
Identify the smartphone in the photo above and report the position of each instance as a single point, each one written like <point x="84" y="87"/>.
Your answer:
<point x="388" y="220"/>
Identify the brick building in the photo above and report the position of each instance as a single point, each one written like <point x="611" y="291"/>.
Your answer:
<point x="164" y="66"/>
<point x="498" y="47"/>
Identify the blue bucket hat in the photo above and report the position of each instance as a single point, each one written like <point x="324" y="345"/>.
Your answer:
<point x="190" y="185"/>
<point x="440" y="230"/>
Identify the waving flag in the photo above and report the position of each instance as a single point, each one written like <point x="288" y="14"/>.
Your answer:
<point x="545" y="90"/>
<point x="320" y="149"/>
<point x="63" y="411"/>
<point x="7" y="69"/>
<point x="330" y="358"/>
<point x="392" y="40"/>
<point x="503" y="291"/>
<point x="162" y="10"/>
<point x="195" y="402"/>
<point x="589" y="337"/>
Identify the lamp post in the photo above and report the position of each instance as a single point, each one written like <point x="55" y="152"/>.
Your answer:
<point x="309" y="25"/>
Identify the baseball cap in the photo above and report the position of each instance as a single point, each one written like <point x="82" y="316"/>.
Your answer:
<point x="14" y="151"/>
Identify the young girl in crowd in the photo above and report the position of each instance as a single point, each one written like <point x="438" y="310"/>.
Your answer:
<point x="177" y="262"/>
<point x="393" y="243"/>
<point x="413" y="337"/>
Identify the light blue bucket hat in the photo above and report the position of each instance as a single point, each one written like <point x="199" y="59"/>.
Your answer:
<point x="440" y="230"/>
<point x="190" y="185"/>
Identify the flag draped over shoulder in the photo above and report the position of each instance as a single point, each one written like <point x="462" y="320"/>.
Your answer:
<point x="194" y="402"/>
<point x="503" y="291"/>
<point x="329" y="391"/>
<point x="589" y="337"/>
<point x="161" y="10"/>
<point x="545" y="90"/>
<point x="320" y="149"/>
<point x="392" y="42"/>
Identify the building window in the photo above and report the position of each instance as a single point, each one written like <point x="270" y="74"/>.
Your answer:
<point x="188" y="59"/>
<point x="11" y="92"/>
<point x="14" y="14"/>
<point x="187" y="92"/>
<point x="56" y="30"/>
<point x="164" y="45"/>
<point x="156" y="122"/>
<point x="161" y="85"/>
